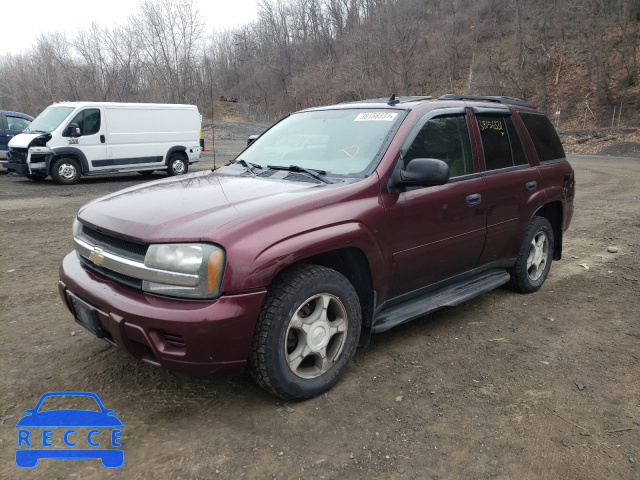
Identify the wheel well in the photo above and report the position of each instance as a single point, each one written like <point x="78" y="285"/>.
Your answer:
<point x="353" y="264"/>
<point x="71" y="156"/>
<point x="178" y="150"/>
<point x="553" y="212"/>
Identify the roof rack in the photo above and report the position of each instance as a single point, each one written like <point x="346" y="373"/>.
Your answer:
<point x="506" y="100"/>
<point x="396" y="100"/>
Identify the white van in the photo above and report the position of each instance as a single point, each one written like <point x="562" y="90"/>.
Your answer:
<point x="71" y="139"/>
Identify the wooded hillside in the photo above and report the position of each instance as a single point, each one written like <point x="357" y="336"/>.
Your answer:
<point x="576" y="56"/>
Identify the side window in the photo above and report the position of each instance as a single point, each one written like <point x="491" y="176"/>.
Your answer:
<point x="17" y="123"/>
<point x="88" y="120"/>
<point x="91" y="121"/>
<point x="447" y="139"/>
<point x="544" y="136"/>
<point x="500" y="142"/>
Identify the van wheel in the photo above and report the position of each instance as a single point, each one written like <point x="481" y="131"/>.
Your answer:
<point x="36" y="177"/>
<point x="534" y="260"/>
<point x="178" y="165"/>
<point x="307" y="333"/>
<point x="65" y="171"/>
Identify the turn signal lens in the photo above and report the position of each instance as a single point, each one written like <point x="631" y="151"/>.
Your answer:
<point x="214" y="270"/>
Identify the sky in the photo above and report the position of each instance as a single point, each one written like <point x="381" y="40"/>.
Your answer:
<point x="23" y="21"/>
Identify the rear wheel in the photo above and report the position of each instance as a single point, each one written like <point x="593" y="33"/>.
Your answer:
<point x="307" y="333"/>
<point x="178" y="165"/>
<point x="534" y="260"/>
<point x="66" y="171"/>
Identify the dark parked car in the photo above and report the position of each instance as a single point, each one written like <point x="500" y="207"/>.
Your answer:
<point x="11" y="124"/>
<point x="336" y="223"/>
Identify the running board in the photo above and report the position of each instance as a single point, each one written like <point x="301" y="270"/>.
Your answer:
<point x="444" y="297"/>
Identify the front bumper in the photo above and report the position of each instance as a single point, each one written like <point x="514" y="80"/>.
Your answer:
<point x="196" y="337"/>
<point x="20" y="168"/>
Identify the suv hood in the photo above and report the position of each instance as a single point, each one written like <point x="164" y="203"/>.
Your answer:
<point x="23" y="140"/>
<point x="191" y="208"/>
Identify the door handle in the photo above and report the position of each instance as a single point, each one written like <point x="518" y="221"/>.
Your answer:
<point x="474" y="199"/>
<point x="102" y="139"/>
<point x="531" y="186"/>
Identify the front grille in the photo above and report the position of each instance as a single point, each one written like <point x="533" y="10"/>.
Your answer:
<point x="118" y="277"/>
<point x="18" y="155"/>
<point x="173" y="340"/>
<point x="137" y="251"/>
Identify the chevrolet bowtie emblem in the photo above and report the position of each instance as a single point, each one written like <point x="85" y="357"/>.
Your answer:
<point x="97" y="256"/>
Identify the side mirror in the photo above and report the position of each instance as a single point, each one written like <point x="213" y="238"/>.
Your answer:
<point x="421" y="172"/>
<point x="74" y="130"/>
<point x="252" y="139"/>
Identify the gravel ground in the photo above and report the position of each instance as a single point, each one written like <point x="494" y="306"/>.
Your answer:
<point x="488" y="389"/>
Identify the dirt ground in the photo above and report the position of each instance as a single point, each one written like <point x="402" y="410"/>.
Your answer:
<point x="488" y="389"/>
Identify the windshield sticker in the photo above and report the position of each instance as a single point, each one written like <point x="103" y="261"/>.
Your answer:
<point x="376" y="117"/>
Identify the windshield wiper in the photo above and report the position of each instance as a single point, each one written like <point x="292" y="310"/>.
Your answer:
<point x="317" y="174"/>
<point x="249" y="166"/>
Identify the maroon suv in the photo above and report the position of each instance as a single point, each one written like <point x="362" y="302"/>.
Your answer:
<point x="336" y="223"/>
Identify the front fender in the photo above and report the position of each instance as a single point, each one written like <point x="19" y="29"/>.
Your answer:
<point x="278" y="256"/>
<point x="71" y="152"/>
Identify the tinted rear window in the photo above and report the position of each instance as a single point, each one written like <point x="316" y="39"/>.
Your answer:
<point x="544" y="136"/>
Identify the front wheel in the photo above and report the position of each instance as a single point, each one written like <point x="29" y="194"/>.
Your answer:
<point x="37" y="176"/>
<point x="66" y="171"/>
<point x="534" y="260"/>
<point x="307" y="333"/>
<point x="178" y="165"/>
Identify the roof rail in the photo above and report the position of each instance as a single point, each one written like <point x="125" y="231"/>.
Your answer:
<point x="506" y="100"/>
<point x="396" y="100"/>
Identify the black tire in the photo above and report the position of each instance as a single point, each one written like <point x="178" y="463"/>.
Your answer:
<point x="66" y="171"/>
<point x="36" y="177"/>
<point x="146" y="173"/>
<point x="535" y="257"/>
<point x="296" y="364"/>
<point x="178" y="165"/>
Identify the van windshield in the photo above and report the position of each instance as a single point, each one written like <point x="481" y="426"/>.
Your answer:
<point x="338" y="142"/>
<point x="49" y="120"/>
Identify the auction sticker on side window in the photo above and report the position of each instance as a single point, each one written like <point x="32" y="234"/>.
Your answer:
<point x="376" y="117"/>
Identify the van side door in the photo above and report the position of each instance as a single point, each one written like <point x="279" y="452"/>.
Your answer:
<point x="132" y="138"/>
<point x="91" y="142"/>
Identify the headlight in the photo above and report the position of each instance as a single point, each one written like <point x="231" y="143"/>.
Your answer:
<point x="76" y="228"/>
<point x="201" y="259"/>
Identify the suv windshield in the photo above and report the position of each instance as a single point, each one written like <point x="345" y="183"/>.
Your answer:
<point x="49" y="120"/>
<point x="339" y="142"/>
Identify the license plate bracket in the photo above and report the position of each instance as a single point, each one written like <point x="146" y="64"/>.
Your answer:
<point x="86" y="315"/>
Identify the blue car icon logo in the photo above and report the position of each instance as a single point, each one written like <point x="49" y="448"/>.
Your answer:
<point x="66" y="433"/>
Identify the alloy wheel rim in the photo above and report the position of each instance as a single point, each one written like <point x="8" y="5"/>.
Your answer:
<point x="316" y="335"/>
<point x="538" y="254"/>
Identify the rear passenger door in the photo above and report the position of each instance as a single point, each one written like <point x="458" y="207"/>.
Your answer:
<point x="509" y="182"/>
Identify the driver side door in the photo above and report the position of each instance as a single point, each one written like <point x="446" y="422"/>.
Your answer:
<point x="439" y="231"/>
